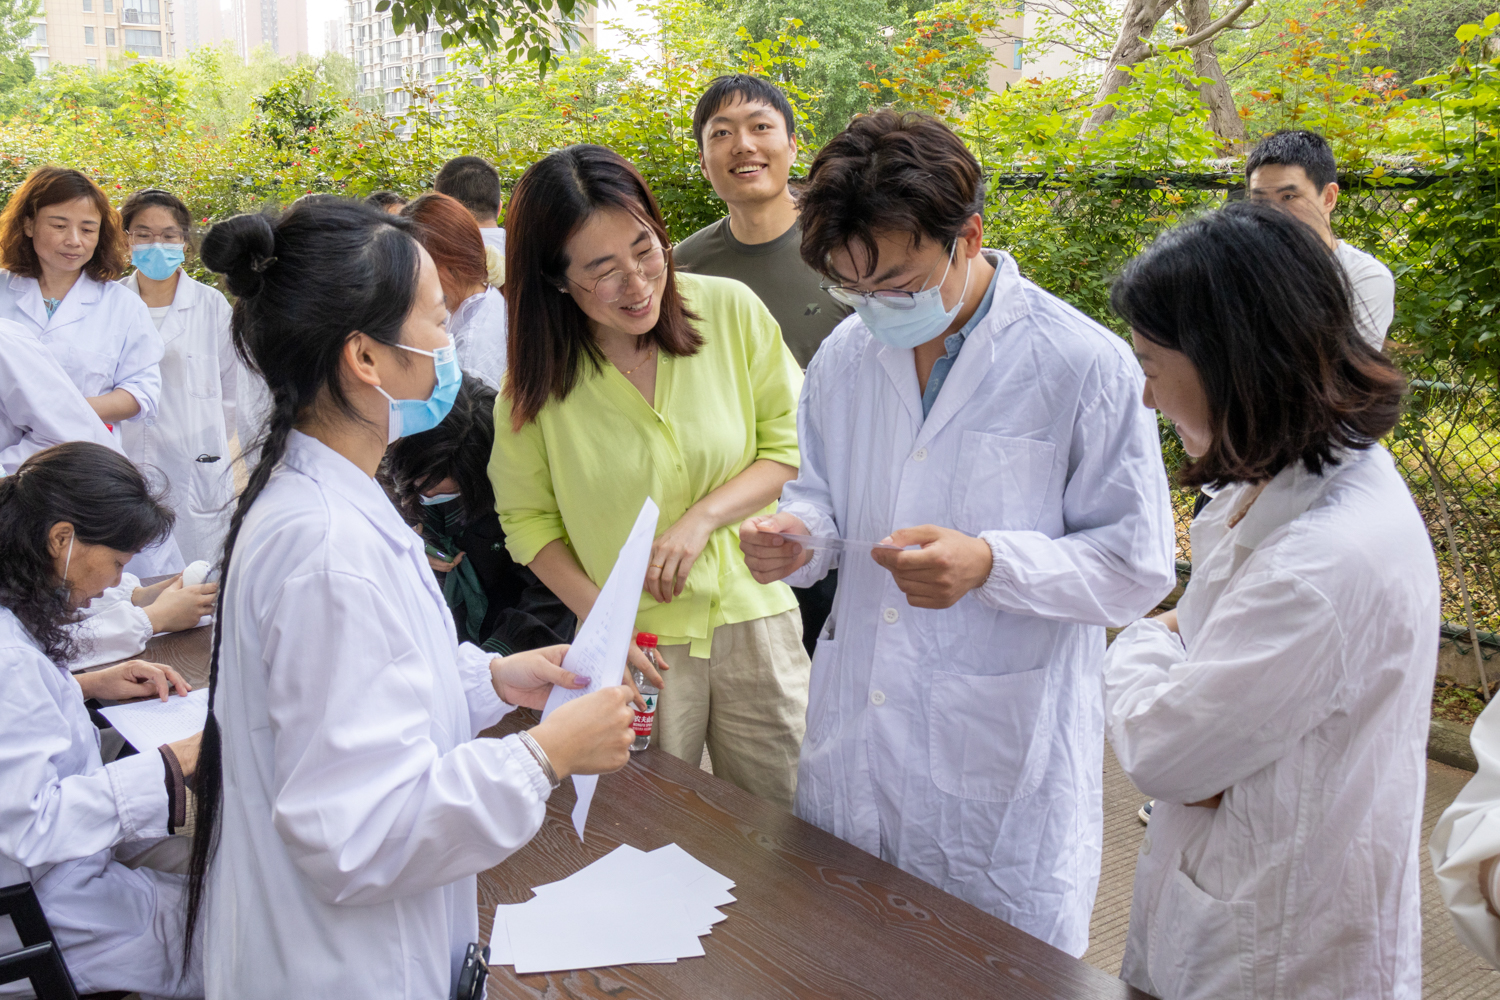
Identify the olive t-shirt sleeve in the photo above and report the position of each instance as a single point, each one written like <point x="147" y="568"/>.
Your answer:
<point x="776" y="273"/>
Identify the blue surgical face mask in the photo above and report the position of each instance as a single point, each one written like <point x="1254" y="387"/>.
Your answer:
<point x="916" y="320"/>
<point x="437" y="498"/>
<point x="157" y="261"/>
<point x="413" y="416"/>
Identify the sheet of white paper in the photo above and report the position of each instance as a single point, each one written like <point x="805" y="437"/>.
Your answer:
<point x="599" y="650"/>
<point x="629" y="907"/>
<point x="839" y="544"/>
<point x="620" y="928"/>
<point x="501" y="952"/>
<point x="148" y="724"/>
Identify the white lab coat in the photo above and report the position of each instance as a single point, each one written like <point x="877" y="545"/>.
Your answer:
<point x="103" y="337"/>
<point x="61" y="814"/>
<point x="1302" y="693"/>
<point x="358" y="805"/>
<point x="1467" y="835"/>
<point x="101" y="334"/>
<point x="478" y="328"/>
<point x="39" y="405"/>
<point x="252" y="410"/>
<point x="111" y="628"/>
<point x="966" y="745"/>
<point x="188" y="436"/>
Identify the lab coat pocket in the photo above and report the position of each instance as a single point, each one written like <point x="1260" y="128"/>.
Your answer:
<point x="1001" y="482"/>
<point x="822" y="710"/>
<point x="201" y="373"/>
<point x="989" y="736"/>
<point x="1201" y="948"/>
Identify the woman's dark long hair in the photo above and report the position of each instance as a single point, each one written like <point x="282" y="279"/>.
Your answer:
<point x="304" y="284"/>
<point x="549" y="338"/>
<point x="458" y="448"/>
<point x="106" y="500"/>
<point x="1264" y="312"/>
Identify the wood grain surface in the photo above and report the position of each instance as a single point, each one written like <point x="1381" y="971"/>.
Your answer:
<point x="815" y="917"/>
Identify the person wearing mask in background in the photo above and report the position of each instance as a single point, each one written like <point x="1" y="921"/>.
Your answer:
<point x="387" y="201"/>
<point x="62" y="247"/>
<point x="1465" y="846"/>
<point x="476" y="309"/>
<point x="1279" y="713"/>
<point x="1295" y="171"/>
<point x="439" y="477"/>
<point x="475" y="185"/>
<point x="39" y="404"/>
<point x="955" y="724"/>
<point x="345" y="800"/>
<point x="69" y="521"/>
<point x="747" y="143"/>
<point x="633" y="381"/>
<point x="188" y="438"/>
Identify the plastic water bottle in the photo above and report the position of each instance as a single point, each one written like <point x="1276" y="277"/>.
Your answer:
<point x="649" y="692"/>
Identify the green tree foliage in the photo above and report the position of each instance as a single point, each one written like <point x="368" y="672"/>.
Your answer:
<point x="1424" y="30"/>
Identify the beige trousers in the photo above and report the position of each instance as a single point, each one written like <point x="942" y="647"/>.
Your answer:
<point x="748" y="701"/>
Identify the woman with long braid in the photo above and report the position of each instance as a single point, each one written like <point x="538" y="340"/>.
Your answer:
<point x="345" y="802"/>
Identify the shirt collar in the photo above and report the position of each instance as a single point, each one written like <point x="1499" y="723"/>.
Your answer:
<point x="954" y="341"/>
<point x="326" y="467"/>
<point x="1285" y="498"/>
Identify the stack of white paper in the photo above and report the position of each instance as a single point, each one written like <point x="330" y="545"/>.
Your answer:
<point x="148" y="724"/>
<point x="630" y="907"/>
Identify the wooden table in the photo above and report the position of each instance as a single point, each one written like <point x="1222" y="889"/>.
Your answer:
<point x="815" y="916"/>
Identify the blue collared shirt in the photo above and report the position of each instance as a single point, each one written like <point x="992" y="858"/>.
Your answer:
<point x="954" y="342"/>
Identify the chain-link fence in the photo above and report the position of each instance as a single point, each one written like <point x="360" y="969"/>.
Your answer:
<point x="1072" y="235"/>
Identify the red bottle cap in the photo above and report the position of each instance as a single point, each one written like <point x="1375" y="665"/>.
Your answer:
<point x="645" y="639"/>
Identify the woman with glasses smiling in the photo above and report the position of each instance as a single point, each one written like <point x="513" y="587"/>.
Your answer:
<point x="188" y="439"/>
<point x="627" y="380"/>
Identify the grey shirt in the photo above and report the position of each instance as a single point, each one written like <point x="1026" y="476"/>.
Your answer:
<point x="774" y="271"/>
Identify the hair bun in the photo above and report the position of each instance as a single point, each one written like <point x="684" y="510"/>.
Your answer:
<point x="241" y="248"/>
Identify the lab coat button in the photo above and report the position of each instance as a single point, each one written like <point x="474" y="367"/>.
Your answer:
<point x="1146" y="845"/>
<point x="891" y="615"/>
<point x="150" y="421"/>
<point x="920" y="455"/>
<point x="877" y="697"/>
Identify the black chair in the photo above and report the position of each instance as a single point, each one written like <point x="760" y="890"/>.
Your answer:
<point x="39" y="960"/>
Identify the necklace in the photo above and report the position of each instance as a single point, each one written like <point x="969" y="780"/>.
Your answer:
<point x="650" y="353"/>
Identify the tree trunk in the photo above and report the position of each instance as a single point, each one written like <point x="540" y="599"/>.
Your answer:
<point x="1136" y="25"/>
<point x="1216" y="96"/>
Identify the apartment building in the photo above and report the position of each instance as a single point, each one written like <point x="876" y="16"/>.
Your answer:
<point x="281" y="24"/>
<point x="388" y="63"/>
<point x="97" y="33"/>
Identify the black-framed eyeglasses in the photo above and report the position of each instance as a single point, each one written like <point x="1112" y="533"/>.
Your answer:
<point x="895" y="298"/>
<point x="611" y="287"/>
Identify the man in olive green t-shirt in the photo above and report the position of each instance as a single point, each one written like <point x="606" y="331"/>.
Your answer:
<point x="747" y="142"/>
<point x="746" y="146"/>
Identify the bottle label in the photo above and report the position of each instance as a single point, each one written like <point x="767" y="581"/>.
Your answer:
<point x="641" y="725"/>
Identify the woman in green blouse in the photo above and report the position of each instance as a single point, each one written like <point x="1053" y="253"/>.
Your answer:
<point x="629" y="380"/>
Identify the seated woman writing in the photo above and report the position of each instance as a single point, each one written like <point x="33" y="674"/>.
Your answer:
<point x="70" y="519"/>
<point x="439" y="477"/>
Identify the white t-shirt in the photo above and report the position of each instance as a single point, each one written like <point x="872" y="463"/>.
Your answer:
<point x="1374" y="292"/>
<point x="159" y="314"/>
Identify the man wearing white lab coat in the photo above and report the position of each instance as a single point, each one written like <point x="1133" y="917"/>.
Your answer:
<point x="187" y="438"/>
<point x="955" y="725"/>
<point x="39" y="405"/>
